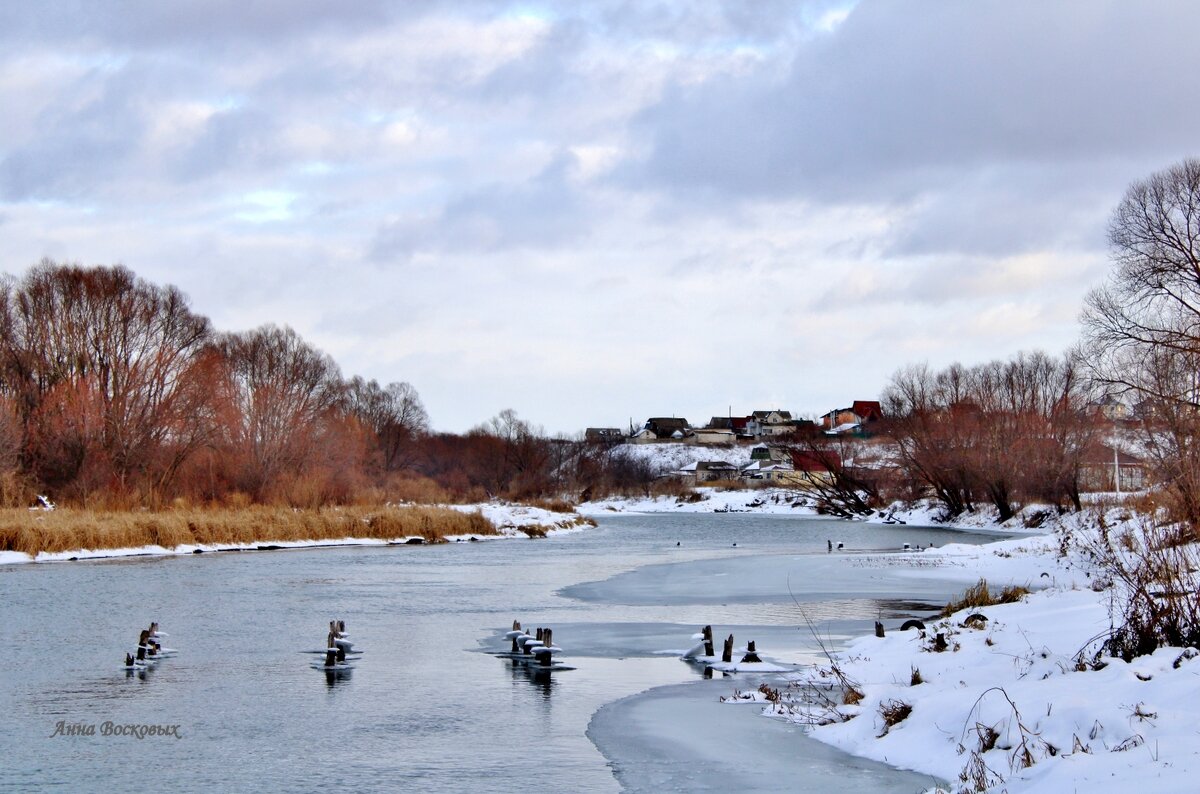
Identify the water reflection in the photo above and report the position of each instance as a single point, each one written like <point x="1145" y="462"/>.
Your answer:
<point x="335" y="677"/>
<point x="142" y="673"/>
<point x="541" y="679"/>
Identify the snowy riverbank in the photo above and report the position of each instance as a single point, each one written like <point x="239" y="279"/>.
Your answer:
<point x="790" y="501"/>
<point x="509" y="520"/>
<point x="1012" y="702"/>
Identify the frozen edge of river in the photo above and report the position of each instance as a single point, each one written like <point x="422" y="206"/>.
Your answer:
<point x="1125" y="726"/>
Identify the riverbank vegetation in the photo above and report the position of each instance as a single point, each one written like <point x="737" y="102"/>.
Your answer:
<point x="65" y="529"/>
<point x="116" y="395"/>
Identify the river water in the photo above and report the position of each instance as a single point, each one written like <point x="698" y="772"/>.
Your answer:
<point x="427" y="706"/>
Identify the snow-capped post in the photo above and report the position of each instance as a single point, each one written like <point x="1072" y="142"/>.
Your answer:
<point x="751" y="654"/>
<point x="547" y="637"/>
<point x="540" y="634"/>
<point x="516" y="627"/>
<point x="708" y="641"/>
<point x="878" y="629"/>
<point x="727" y="650"/>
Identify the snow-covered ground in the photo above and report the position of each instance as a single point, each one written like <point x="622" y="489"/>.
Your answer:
<point x="510" y="521"/>
<point x="665" y="457"/>
<point x="707" y="500"/>
<point x="1007" y="705"/>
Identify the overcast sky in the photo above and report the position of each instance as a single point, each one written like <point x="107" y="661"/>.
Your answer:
<point x="592" y="212"/>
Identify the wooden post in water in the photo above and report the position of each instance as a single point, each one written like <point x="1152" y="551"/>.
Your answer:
<point x="547" y="636"/>
<point x="516" y="627"/>
<point x="539" y="634"/>
<point x="751" y="655"/>
<point x="727" y="651"/>
<point x="332" y="651"/>
<point x="878" y="629"/>
<point x="708" y="641"/>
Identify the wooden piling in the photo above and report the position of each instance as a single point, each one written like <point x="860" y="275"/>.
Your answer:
<point x="516" y="627"/>
<point x="708" y="641"/>
<point x="878" y="629"/>
<point x="727" y="651"/>
<point x="547" y="636"/>
<point x="751" y="655"/>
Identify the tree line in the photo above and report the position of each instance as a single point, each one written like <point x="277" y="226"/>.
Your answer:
<point x="115" y="392"/>
<point x="1011" y="432"/>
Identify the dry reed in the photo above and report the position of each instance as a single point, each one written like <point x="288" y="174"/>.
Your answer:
<point x="65" y="529"/>
<point x="979" y="595"/>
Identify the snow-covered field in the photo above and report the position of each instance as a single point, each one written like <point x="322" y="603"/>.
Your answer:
<point x="509" y="520"/>
<point x="1007" y="705"/>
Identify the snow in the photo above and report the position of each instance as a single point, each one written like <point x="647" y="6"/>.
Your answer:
<point x="509" y="518"/>
<point x="1018" y="674"/>
<point x="668" y="457"/>
<point x="757" y="500"/>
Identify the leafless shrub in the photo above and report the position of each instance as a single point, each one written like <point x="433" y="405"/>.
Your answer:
<point x="893" y="713"/>
<point x="1155" y="601"/>
<point x="976" y="774"/>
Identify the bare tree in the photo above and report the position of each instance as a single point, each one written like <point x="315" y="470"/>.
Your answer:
<point x="1143" y="326"/>
<point x="394" y="415"/>
<point x="279" y="396"/>
<point x="105" y="343"/>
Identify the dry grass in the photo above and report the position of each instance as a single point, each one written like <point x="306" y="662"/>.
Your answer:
<point x="553" y="505"/>
<point x="894" y="712"/>
<point x="980" y="595"/>
<point x="65" y="529"/>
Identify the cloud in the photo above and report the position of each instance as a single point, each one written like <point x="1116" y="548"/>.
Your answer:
<point x="591" y="210"/>
<point x="903" y="99"/>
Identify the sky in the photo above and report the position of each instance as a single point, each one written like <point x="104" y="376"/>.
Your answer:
<point x="597" y="212"/>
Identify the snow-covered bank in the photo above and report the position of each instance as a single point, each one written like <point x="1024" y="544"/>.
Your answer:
<point x="1031" y="519"/>
<point x="707" y="500"/>
<point x="1013" y="701"/>
<point x="509" y="520"/>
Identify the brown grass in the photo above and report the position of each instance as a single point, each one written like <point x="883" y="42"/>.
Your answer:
<point x="980" y="595"/>
<point x="553" y="505"/>
<point x="65" y="529"/>
<point x="894" y="712"/>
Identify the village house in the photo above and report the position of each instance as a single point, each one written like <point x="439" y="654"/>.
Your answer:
<point x="764" y="452"/>
<point x="661" y="428"/>
<point x="1111" y="409"/>
<point x="774" y="423"/>
<point x="709" y="471"/>
<point x="841" y="421"/>
<point x="711" y="435"/>
<point x="815" y="468"/>
<point x="745" y="427"/>
<point x="1105" y="469"/>
<point x="603" y="435"/>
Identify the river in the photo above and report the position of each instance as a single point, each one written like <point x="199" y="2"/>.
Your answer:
<point x="427" y="706"/>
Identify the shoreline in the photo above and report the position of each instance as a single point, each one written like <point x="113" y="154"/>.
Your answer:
<point x="508" y="521"/>
<point x="1012" y="700"/>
